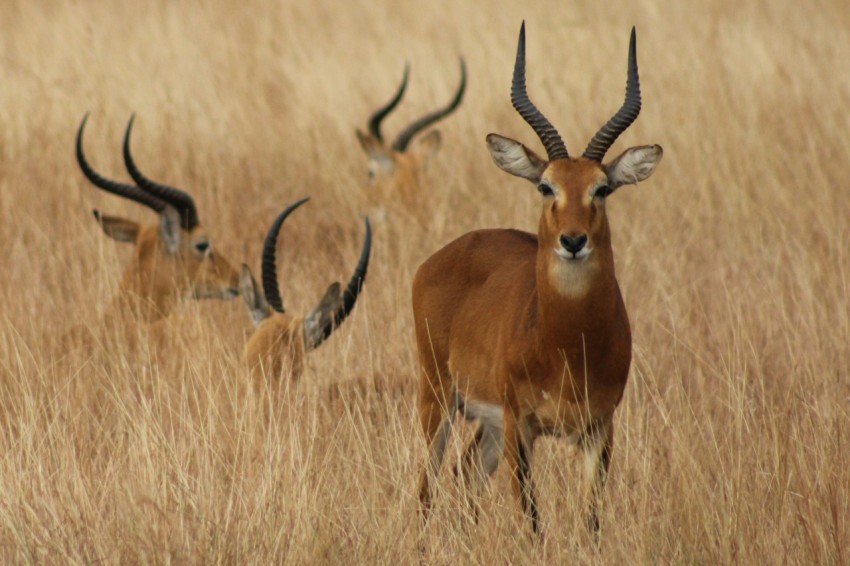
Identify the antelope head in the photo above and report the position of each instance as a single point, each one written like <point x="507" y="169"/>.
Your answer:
<point x="281" y="340"/>
<point x="573" y="233"/>
<point x="398" y="166"/>
<point x="174" y="259"/>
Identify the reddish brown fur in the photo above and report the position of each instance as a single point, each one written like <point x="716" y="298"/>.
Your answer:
<point x="157" y="280"/>
<point x="280" y="343"/>
<point x="396" y="178"/>
<point x="276" y="349"/>
<point x="501" y="319"/>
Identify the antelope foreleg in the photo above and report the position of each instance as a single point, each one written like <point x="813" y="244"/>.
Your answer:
<point x="437" y="425"/>
<point x="598" y="444"/>
<point x="518" y="448"/>
<point x="480" y="459"/>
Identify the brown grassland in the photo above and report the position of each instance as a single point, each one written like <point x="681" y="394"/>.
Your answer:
<point x="732" y="443"/>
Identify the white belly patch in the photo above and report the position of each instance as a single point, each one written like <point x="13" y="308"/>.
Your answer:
<point x="487" y="413"/>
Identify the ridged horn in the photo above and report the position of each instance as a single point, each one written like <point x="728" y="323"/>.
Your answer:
<point x="127" y="191"/>
<point x="624" y="117"/>
<point x="352" y="291"/>
<point x="180" y="200"/>
<point x="381" y="113"/>
<point x="404" y="138"/>
<point x="544" y="129"/>
<point x="269" y="265"/>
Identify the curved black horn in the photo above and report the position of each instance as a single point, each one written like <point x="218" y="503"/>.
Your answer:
<point x="127" y="191"/>
<point x="270" y="286"/>
<point x="544" y="129"/>
<point x="403" y="139"/>
<point x="624" y="117"/>
<point x="381" y="113"/>
<point x="352" y="291"/>
<point x="180" y="200"/>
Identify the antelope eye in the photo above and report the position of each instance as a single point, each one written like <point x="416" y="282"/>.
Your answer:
<point x="202" y="247"/>
<point x="545" y="190"/>
<point x="603" y="191"/>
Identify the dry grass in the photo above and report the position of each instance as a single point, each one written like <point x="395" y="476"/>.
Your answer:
<point x="733" y="442"/>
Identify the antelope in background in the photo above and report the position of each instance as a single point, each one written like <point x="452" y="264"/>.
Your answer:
<point x="173" y="260"/>
<point x="395" y="171"/>
<point x="528" y="334"/>
<point x="281" y="340"/>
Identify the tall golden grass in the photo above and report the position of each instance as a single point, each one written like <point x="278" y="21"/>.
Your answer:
<point x="732" y="442"/>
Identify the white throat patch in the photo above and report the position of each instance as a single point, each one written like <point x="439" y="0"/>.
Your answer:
<point x="572" y="278"/>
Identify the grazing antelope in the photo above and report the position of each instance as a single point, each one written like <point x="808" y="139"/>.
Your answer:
<point x="174" y="259"/>
<point x="395" y="170"/>
<point x="528" y="333"/>
<point x="281" y="340"/>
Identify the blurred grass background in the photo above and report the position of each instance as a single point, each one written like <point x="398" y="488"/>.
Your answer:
<point x="732" y="440"/>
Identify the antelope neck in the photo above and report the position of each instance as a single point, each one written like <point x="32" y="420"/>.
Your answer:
<point x="581" y="319"/>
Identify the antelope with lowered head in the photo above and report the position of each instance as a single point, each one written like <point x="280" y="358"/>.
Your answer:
<point x="174" y="259"/>
<point x="280" y="340"/>
<point x="395" y="170"/>
<point x="528" y="334"/>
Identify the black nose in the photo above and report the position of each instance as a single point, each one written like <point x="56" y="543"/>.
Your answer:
<point x="573" y="244"/>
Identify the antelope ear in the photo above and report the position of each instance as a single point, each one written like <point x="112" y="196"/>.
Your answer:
<point x="366" y="141"/>
<point x="169" y="228"/>
<point x="258" y="308"/>
<point x="514" y="158"/>
<point x="428" y="145"/>
<point x="371" y="145"/>
<point x="117" y="228"/>
<point x="633" y="165"/>
<point x="321" y="316"/>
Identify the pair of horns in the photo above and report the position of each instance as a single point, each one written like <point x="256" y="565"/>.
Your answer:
<point x="146" y="192"/>
<point x="547" y="133"/>
<point x="269" y="275"/>
<point x="404" y="138"/>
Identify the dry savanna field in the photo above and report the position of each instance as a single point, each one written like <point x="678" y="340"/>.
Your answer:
<point x="148" y="443"/>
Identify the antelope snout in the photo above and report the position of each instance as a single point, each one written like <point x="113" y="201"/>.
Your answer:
<point x="574" y="244"/>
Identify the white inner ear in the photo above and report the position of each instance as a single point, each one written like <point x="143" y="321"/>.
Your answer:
<point x="169" y="228"/>
<point x="258" y="308"/>
<point x="247" y="286"/>
<point x="514" y="158"/>
<point x="634" y="165"/>
<point x="324" y="311"/>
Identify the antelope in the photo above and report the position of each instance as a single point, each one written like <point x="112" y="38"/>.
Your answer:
<point x="173" y="260"/>
<point x="395" y="170"/>
<point x="528" y="334"/>
<point x="280" y="340"/>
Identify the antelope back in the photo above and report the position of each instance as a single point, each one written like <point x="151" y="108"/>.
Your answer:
<point x="276" y="349"/>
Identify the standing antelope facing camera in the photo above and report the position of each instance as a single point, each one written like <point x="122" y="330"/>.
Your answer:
<point x="529" y="334"/>
<point x="173" y="260"/>
<point x="280" y="337"/>
<point x="395" y="170"/>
